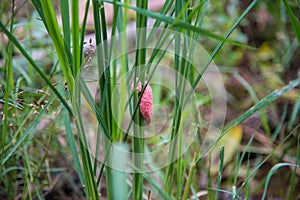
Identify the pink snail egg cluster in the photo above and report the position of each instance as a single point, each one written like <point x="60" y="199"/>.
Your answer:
<point x="146" y="102"/>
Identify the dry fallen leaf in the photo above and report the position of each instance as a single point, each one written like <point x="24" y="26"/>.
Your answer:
<point x="231" y="142"/>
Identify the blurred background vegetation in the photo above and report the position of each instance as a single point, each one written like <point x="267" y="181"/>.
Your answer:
<point x="42" y="167"/>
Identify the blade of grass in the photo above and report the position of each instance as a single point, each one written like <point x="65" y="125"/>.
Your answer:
<point x="72" y="145"/>
<point x="119" y="158"/>
<point x="177" y="109"/>
<point x="75" y="38"/>
<point x="271" y="172"/>
<point x="220" y="172"/>
<point x="90" y="100"/>
<point x="9" y="85"/>
<point x="247" y="185"/>
<point x="180" y="168"/>
<point x="294" y="21"/>
<point x="294" y="114"/>
<point x="218" y="47"/>
<point x="83" y="27"/>
<point x="54" y="32"/>
<point x="280" y="124"/>
<point x="65" y="10"/>
<point x="185" y="69"/>
<point x="189" y="179"/>
<point x="294" y="174"/>
<point x="65" y="14"/>
<point x="104" y="81"/>
<point x="140" y="61"/>
<point x="121" y="24"/>
<point x="89" y="176"/>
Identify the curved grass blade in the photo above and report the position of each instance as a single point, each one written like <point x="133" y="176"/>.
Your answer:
<point x="294" y="173"/>
<point x="272" y="171"/>
<point x="254" y="171"/>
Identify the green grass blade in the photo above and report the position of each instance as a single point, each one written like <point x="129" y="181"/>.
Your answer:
<point x="272" y="171"/>
<point x="294" y="114"/>
<point x="90" y="100"/>
<point x="54" y="32"/>
<point x="294" y="174"/>
<point x="89" y="176"/>
<point x="65" y="15"/>
<point x="294" y="21"/>
<point x="75" y="38"/>
<point x="189" y="180"/>
<point x="280" y="124"/>
<point x="119" y="158"/>
<point x="139" y="73"/>
<point x="72" y="145"/>
<point x="83" y="27"/>
<point x="220" y="172"/>
<point x="9" y="85"/>
<point x="97" y="25"/>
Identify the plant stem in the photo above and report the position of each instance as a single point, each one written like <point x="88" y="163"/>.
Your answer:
<point x="189" y="180"/>
<point x="138" y="141"/>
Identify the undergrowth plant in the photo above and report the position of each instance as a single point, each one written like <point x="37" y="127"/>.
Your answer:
<point x="100" y="99"/>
